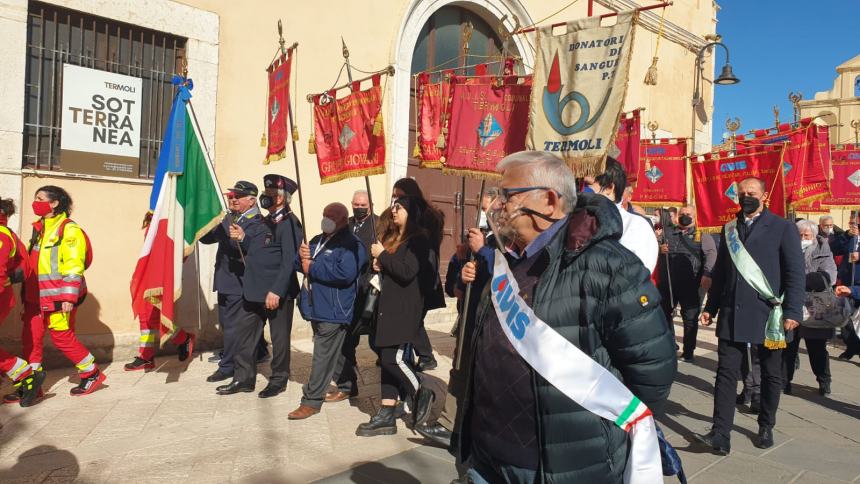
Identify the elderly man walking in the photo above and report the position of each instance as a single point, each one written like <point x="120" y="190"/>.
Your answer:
<point x="565" y="283"/>
<point x="758" y="292"/>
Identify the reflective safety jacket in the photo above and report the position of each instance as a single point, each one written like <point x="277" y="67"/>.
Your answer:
<point x="13" y="258"/>
<point x="59" y="262"/>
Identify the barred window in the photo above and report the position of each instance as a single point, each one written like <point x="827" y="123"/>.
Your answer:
<point x="57" y="36"/>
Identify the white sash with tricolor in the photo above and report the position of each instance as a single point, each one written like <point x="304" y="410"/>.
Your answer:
<point x="576" y="375"/>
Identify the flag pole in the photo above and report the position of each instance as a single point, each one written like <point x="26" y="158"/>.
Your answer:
<point x="461" y="324"/>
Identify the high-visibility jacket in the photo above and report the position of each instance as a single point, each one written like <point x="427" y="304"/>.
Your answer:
<point x="59" y="263"/>
<point x="13" y="258"/>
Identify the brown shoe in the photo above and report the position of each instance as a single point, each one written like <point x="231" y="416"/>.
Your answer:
<point x="338" y="396"/>
<point x="303" y="412"/>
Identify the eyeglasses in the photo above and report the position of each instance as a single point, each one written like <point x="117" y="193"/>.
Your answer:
<point x="507" y="193"/>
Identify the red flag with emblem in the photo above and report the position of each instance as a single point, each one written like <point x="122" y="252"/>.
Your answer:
<point x="433" y="106"/>
<point x="845" y="183"/>
<point x="277" y="115"/>
<point x="627" y="143"/>
<point x="489" y="120"/>
<point x="349" y="138"/>
<point x="662" y="173"/>
<point x="716" y="178"/>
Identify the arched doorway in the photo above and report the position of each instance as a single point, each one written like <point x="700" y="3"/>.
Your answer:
<point x="432" y="35"/>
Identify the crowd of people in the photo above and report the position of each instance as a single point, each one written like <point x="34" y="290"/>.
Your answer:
<point x="572" y="257"/>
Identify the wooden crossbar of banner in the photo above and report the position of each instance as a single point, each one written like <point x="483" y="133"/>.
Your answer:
<point x="605" y="15"/>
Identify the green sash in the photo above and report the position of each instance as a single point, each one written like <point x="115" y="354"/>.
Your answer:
<point x="774" y="334"/>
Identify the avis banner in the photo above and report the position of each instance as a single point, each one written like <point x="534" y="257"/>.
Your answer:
<point x="350" y="141"/>
<point x="580" y="81"/>
<point x="662" y="174"/>
<point x="805" y="175"/>
<point x="490" y="118"/>
<point x="716" y="178"/>
<point x="278" y="107"/>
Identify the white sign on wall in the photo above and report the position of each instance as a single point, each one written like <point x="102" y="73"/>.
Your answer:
<point x="101" y="122"/>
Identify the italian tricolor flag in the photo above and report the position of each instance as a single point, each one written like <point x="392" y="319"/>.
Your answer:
<point x="189" y="204"/>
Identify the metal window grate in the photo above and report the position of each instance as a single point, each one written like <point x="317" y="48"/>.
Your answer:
<point x="57" y="36"/>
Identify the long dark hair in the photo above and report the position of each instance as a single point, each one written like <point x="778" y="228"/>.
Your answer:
<point x="59" y="195"/>
<point x="391" y="236"/>
<point x="7" y="206"/>
<point x="432" y="219"/>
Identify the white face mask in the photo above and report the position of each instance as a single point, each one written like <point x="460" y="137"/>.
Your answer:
<point x="328" y="226"/>
<point x="805" y="244"/>
<point x="482" y="224"/>
<point x="828" y="231"/>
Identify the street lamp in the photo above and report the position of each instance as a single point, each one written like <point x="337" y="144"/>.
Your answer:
<point x="726" y="78"/>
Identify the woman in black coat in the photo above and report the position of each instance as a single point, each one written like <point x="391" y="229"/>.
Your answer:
<point x="403" y="260"/>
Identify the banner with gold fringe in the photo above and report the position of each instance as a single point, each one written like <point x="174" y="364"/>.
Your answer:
<point x="348" y="133"/>
<point x="845" y="181"/>
<point x="626" y="149"/>
<point x="433" y="107"/>
<point x="278" y="101"/>
<point x="662" y="173"/>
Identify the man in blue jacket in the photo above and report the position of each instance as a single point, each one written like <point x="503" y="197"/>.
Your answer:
<point x="331" y="263"/>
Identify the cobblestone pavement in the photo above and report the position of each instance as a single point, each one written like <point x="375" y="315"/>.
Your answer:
<point x="169" y="424"/>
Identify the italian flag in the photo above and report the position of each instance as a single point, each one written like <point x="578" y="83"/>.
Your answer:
<point x="189" y="204"/>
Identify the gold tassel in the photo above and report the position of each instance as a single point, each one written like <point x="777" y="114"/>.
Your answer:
<point x="440" y="141"/>
<point x="377" y="124"/>
<point x="295" y="133"/>
<point x="263" y="142"/>
<point x="416" y="151"/>
<point x="312" y="144"/>
<point x="651" y="74"/>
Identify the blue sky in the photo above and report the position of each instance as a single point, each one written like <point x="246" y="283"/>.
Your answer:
<point x="777" y="47"/>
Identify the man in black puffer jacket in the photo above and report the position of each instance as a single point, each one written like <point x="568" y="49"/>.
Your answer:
<point x="564" y="252"/>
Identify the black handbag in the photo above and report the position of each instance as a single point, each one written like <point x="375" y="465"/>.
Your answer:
<point x="364" y="318"/>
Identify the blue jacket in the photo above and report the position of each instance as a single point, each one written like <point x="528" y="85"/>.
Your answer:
<point x="333" y="278"/>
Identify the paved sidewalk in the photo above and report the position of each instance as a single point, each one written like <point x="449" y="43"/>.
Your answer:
<point x="169" y="425"/>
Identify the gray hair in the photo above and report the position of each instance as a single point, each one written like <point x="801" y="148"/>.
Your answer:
<point x="545" y="170"/>
<point x="804" y="225"/>
<point x="360" y="192"/>
<point x="491" y="192"/>
<point x="825" y="218"/>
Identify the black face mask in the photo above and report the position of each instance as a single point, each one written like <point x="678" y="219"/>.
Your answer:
<point x="685" y="220"/>
<point x="359" y="213"/>
<point x="749" y="204"/>
<point x="266" y="201"/>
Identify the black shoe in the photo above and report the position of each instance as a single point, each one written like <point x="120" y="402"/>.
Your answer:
<point x="218" y="376"/>
<point x="383" y="423"/>
<point x="435" y="433"/>
<point x="824" y="388"/>
<point x="139" y="364"/>
<point x="764" y="439"/>
<point x="216" y="356"/>
<point x="720" y="445"/>
<point x="184" y="350"/>
<point x="687" y="358"/>
<point x="426" y="364"/>
<point x="846" y="355"/>
<point x="755" y="404"/>
<point x="424" y="399"/>
<point x="743" y="398"/>
<point x="271" y="391"/>
<point x="234" y="387"/>
<point x="787" y="388"/>
<point x="400" y="410"/>
<point x="31" y="388"/>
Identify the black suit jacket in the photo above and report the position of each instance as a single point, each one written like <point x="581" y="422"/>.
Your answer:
<point x="774" y="244"/>
<point x="270" y="268"/>
<point x="229" y="268"/>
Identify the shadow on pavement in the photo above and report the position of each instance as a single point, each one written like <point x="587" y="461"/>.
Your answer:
<point x="376" y="472"/>
<point x="811" y="395"/>
<point x="44" y="463"/>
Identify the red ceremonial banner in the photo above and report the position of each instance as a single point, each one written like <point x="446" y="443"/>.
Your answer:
<point x="279" y="99"/>
<point x="805" y="177"/>
<point x="627" y="142"/>
<point x="845" y="184"/>
<point x="433" y="107"/>
<point x="662" y="173"/>
<point x="489" y="120"/>
<point x="716" y="178"/>
<point x="350" y="141"/>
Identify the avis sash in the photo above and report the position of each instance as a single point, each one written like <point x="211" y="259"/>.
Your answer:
<point x="774" y="336"/>
<point x="576" y="375"/>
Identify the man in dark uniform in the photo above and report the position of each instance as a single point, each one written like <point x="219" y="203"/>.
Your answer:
<point x="362" y="224"/>
<point x="685" y="261"/>
<point x="772" y="247"/>
<point x="230" y="265"/>
<point x="272" y="284"/>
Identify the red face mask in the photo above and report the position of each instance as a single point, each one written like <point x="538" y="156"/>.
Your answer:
<point x="41" y="208"/>
<point x="4" y="220"/>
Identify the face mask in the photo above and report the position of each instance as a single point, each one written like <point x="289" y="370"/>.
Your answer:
<point x="828" y="231"/>
<point x="749" y="204"/>
<point x="328" y="226"/>
<point x="805" y="244"/>
<point x="685" y="220"/>
<point x="360" y="213"/>
<point x="266" y="201"/>
<point x="41" y="208"/>
<point x="482" y="224"/>
<point x="654" y="219"/>
<point x="4" y="220"/>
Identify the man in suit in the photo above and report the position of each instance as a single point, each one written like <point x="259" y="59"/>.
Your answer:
<point x="773" y="245"/>
<point x="230" y="265"/>
<point x="269" y="291"/>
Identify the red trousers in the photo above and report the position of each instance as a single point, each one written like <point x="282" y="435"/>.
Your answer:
<point x="61" y="326"/>
<point x="151" y="330"/>
<point x="11" y="365"/>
